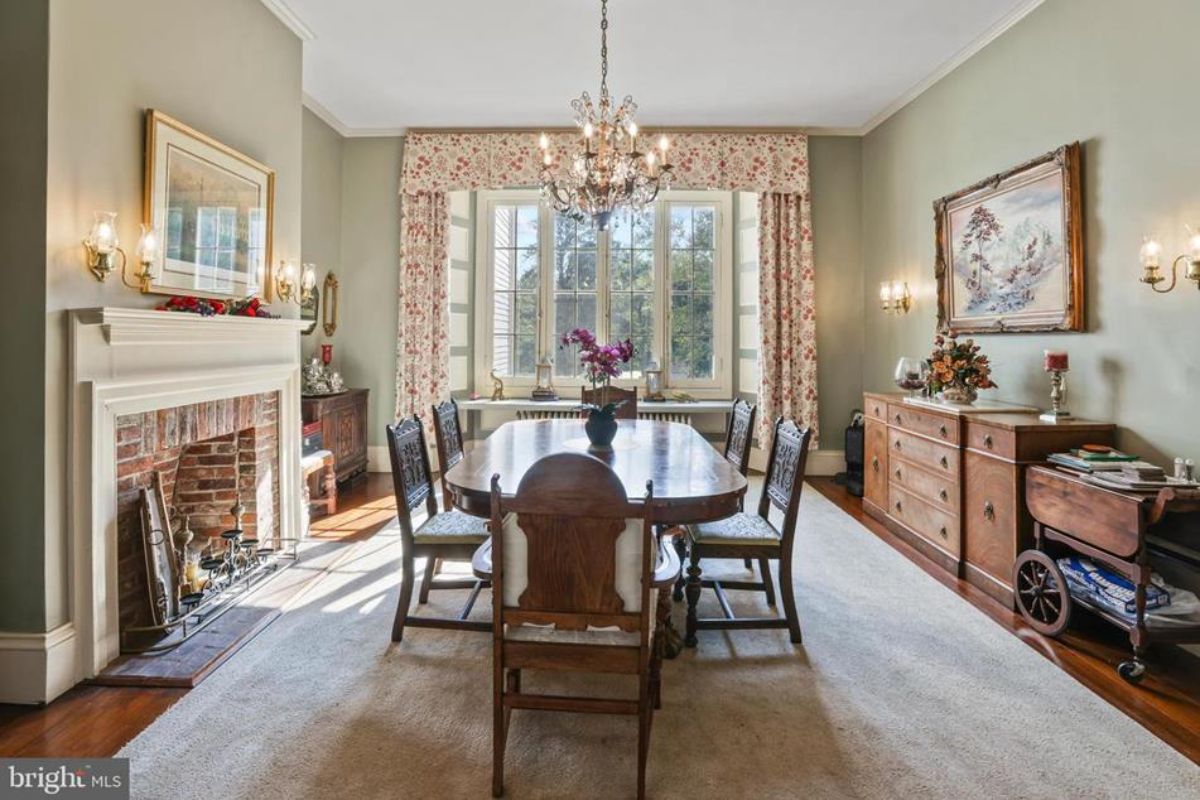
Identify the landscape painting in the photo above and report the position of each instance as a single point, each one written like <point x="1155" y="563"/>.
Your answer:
<point x="1010" y="250"/>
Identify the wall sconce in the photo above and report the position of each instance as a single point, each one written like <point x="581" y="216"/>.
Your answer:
<point x="285" y="282"/>
<point x="149" y="248"/>
<point x="894" y="296"/>
<point x="102" y="246"/>
<point x="1149" y="255"/>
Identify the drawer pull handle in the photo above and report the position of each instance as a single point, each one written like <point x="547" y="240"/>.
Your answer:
<point x="877" y="411"/>
<point x="987" y="441"/>
<point x="944" y="495"/>
<point x="898" y="473"/>
<point x="897" y="445"/>
<point x="942" y="531"/>
<point x="989" y="510"/>
<point x="945" y="463"/>
<point x="875" y="463"/>
<point x="898" y="506"/>
<point x="899" y="420"/>
<point x="942" y="430"/>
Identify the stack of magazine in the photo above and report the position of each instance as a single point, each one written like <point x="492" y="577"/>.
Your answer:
<point x="1116" y="470"/>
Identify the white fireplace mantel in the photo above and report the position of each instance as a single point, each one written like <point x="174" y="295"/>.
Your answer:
<point x="125" y="361"/>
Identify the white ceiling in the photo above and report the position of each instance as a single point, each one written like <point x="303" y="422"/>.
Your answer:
<point x="386" y="65"/>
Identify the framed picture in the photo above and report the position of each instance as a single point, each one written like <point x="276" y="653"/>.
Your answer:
<point x="1010" y="250"/>
<point x="213" y="208"/>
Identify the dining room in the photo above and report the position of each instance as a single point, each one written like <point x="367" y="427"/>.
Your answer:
<point x="406" y="410"/>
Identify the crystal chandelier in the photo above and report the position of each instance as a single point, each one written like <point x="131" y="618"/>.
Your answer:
<point x="608" y="171"/>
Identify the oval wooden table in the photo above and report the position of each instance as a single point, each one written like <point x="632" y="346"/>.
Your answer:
<point x="692" y="481"/>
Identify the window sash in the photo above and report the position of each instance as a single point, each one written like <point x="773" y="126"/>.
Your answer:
<point x="719" y="385"/>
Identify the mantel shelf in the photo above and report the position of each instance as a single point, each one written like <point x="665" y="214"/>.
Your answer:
<point x="124" y="326"/>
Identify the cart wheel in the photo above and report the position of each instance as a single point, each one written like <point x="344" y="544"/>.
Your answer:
<point x="1132" y="671"/>
<point x="1041" y="593"/>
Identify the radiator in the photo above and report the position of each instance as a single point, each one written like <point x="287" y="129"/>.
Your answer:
<point x="554" y="413"/>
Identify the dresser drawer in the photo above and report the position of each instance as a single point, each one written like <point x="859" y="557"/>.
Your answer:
<point x="933" y="524"/>
<point x="989" y="439"/>
<point x="932" y="425"/>
<point x="875" y="407"/>
<point x="940" y="490"/>
<point x="941" y="458"/>
<point x="994" y="528"/>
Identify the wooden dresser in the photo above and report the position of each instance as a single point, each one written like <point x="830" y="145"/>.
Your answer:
<point x="343" y="419"/>
<point x="952" y="484"/>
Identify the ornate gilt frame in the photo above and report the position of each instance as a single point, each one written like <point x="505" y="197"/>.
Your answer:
<point x="1065" y="159"/>
<point x="329" y="301"/>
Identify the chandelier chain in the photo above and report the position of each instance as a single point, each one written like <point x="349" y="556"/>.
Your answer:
<point x="603" y="48"/>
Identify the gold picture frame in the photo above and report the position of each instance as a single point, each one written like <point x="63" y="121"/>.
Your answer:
<point x="329" y="303"/>
<point x="214" y="210"/>
<point x="1010" y="255"/>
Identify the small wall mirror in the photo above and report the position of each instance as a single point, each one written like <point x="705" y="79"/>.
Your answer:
<point x="329" y="299"/>
<point x="308" y="311"/>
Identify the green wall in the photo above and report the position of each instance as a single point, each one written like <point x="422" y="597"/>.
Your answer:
<point x="320" y="206"/>
<point x="1121" y="78"/>
<point x="24" y="63"/>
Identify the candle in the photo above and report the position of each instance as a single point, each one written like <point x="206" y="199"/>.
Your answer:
<point x="1055" y="360"/>
<point x="326" y="353"/>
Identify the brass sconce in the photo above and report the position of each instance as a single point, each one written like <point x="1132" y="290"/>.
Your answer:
<point x="102" y="245"/>
<point x="285" y="282"/>
<point x="894" y="296"/>
<point x="329" y="303"/>
<point x="1152" y="249"/>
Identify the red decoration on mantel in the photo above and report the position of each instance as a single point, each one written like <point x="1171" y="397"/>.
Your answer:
<point x="1055" y="360"/>
<point x="207" y="307"/>
<point x="326" y="354"/>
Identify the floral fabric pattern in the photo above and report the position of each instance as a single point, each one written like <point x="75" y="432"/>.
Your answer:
<point x="422" y="335"/>
<point x="787" y="354"/>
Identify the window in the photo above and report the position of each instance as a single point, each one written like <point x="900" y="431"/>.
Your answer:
<point x="660" y="277"/>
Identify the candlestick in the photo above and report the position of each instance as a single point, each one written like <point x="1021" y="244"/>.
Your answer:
<point x="1058" y="391"/>
<point x="326" y="354"/>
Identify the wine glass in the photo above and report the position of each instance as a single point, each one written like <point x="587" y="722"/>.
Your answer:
<point x="912" y="374"/>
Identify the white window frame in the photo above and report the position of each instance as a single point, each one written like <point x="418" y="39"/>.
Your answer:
<point x="719" y="387"/>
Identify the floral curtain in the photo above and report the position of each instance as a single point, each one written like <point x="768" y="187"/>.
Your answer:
<point x="773" y="164"/>
<point x="422" y="335"/>
<point x="787" y="356"/>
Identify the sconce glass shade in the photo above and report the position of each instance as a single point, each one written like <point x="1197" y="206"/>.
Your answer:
<point x="103" y="236"/>
<point x="308" y="278"/>
<point x="885" y="295"/>
<point x="148" y="247"/>
<point x="1150" y="252"/>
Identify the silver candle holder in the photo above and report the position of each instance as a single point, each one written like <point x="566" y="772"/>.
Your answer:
<point x="1058" y="392"/>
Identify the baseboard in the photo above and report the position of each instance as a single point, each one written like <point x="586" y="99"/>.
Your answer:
<point x="826" y="462"/>
<point x="38" y="667"/>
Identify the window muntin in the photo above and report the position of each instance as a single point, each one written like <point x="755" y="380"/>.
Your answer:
<point x="576" y="293"/>
<point x="692" y="258"/>
<point x="516" y="274"/>
<point x="632" y="312"/>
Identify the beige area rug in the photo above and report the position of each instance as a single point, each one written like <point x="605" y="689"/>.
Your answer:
<point x="901" y="690"/>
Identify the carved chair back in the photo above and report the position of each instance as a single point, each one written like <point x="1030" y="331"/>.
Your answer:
<point x="785" y="476"/>
<point x="412" y="479"/>
<point x="740" y="435"/>
<point x="447" y="432"/>
<point x="573" y="551"/>
<point x="627" y="410"/>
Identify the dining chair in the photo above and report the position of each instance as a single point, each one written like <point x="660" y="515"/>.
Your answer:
<point x="739" y="435"/>
<point x="449" y="535"/>
<point x="447" y="434"/>
<point x="753" y="536"/>
<point x="627" y="410"/>
<point x="575" y="568"/>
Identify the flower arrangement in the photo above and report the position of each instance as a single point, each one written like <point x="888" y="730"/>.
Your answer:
<point x="601" y="363"/>
<point x="207" y="307"/>
<point x="957" y="369"/>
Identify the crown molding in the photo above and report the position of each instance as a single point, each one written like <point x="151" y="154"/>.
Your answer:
<point x="983" y="40"/>
<point x="997" y="29"/>
<point x="290" y="18"/>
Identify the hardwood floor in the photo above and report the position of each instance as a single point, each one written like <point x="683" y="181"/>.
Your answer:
<point x="1167" y="703"/>
<point x="94" y="721"/>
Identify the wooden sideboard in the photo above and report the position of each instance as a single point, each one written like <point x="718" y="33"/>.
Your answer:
<point x="343" y="419"/>
<point x="951" y="484"/>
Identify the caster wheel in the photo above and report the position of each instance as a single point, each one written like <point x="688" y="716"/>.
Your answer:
<point x="1132" y="671"/>
<point x="1041" y="593"/>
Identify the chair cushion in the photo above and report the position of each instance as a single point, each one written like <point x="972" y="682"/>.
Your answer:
<point x="452" y="527"/>
<point x="547" y="634"/>
<point x="741" y="528"/>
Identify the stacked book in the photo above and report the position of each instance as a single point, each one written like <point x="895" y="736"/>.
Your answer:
<point x="1084" y="460"/>
<point x="1113" y="469"/>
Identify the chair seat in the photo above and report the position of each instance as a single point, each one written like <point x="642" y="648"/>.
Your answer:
<point x="452" y="527"/>
<point x="740" y="529"/>
<point x="602" y="637"/>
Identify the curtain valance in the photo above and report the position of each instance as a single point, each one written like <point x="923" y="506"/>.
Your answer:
<point x="746" y="162"/>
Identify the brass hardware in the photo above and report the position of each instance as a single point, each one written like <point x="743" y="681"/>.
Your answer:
<point x="329" y="300"/>
<point x="942" y="430"/>
<point x="987" y="441"/>
<point x="943" y="531"/>
<point x="897" y="445"/>
<point x="875" y="463"/>
<point x="989" y="511"/>
<point x="944" y="495"/>
<point x="897" y="473"/>
<point x="945" y="463"/>
<point x="898" y="419"/>
<point x="898" y="505"/>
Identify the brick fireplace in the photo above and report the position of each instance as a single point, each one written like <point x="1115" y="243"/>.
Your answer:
<point x="207" y="455"/>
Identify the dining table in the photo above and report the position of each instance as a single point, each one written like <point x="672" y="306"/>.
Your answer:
<point x="692" y="481"/>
